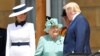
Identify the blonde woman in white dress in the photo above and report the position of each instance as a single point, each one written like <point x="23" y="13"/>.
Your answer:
<point x="21" y="34"/>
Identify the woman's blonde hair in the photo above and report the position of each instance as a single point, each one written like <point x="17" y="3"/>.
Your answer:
<point x="72" y="5"/>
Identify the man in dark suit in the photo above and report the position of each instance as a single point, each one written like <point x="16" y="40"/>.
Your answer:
<point x="78" y="33"/>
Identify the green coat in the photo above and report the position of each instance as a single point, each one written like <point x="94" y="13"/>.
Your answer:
<point x="48" y="47"/>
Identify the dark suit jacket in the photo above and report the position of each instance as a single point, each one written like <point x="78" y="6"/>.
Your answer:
<point x="77" y="36"/>
<point x="2" y="41"/>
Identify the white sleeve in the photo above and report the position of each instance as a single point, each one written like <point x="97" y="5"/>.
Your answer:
<point x="8" y="42"/>
<point x="32" y="39"/>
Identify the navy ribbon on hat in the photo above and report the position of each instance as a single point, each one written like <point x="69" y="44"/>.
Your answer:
<point x="19" y="9"/>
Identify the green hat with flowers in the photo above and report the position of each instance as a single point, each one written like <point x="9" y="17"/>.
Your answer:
<point x="52" y="22"/>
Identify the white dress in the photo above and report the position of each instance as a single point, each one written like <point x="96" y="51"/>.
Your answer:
<point x="20" y="33"/>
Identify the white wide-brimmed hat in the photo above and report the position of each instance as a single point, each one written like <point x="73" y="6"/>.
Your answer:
<point x="20" y="9"/>
<point x="52" y="22"/>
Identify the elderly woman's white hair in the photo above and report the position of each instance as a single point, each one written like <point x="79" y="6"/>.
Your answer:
<point x="72" y="5"/>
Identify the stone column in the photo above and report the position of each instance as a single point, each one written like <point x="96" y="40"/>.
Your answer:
<point x="40" y="18"/>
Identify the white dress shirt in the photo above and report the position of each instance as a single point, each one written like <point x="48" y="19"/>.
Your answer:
<point x="75" y="15"/>
<point x="20" y="33"/>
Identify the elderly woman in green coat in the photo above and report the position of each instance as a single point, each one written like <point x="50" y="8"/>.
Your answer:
<point x="52" y="43"/>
